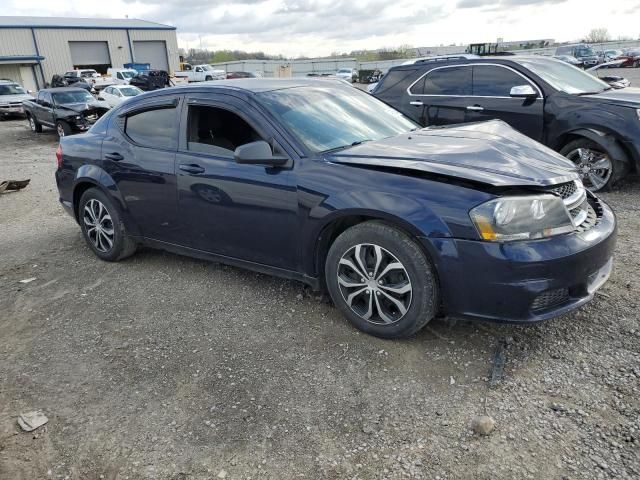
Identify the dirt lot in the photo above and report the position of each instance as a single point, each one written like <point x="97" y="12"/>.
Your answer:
<point x="164" y="367"/>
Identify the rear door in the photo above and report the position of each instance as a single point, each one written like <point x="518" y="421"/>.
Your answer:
<point x="139" y="153"/>
<point x="492" y="84"/>
<point x="441" y="95"/>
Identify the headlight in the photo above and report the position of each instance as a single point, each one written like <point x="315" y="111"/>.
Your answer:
<point x="521" y="218"/>
<point x="78" y="117"/>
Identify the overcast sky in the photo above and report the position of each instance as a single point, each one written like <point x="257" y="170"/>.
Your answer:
<point x="320" y="27"/>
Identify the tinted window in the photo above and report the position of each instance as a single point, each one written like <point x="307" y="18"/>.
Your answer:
<point x="490" y="81"/>
<point x="564" y="50"/>
<point x="395" y="82"/>
<point x="153" y="128"/>
<point x="448" y="81"/>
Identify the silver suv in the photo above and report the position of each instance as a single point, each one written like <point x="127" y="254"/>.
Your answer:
<point x="11" y="96"/>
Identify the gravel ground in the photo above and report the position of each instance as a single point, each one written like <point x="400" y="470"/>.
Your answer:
<point x="165" y="367"/>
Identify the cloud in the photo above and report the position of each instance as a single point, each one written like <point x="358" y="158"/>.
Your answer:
<point x="497" y="4"/>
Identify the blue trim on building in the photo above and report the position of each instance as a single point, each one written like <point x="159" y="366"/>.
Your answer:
<point x="35" y="44"/>
<point x="85" y="27"/>
<point x="130" y="47"/>
<point x="19" y="58"/>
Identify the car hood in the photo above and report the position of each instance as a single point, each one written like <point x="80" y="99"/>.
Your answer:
<point x="18" y="97"/>
<point x="628" y="97"/>
<point x="85" y="106"/>
<point x="488" y="152"/>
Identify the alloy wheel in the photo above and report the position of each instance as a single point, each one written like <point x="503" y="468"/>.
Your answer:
<point x="32" y="124"/>
<point x="99" y="225"/>
<point x="60" y="130"/>
<point x="594" y="167"/>
<point x="374" y="284"/>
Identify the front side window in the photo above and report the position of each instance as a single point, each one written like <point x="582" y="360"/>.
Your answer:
<point x="217" y="131"/>
<point x="330" y="118"/>
<point x="492" y="81"/>
<point x="446" y="81"/>
<point x="153" y="128"/>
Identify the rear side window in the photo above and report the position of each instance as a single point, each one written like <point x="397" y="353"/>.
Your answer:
<point x="446" y="81"/>
<point x="153" y="128"/>
<point x="492" y="81"/>
<point x="395" y="82"/>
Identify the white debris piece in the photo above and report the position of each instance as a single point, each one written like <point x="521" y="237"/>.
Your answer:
<point x="28" y="280"/>
<point x="32" y="420"/>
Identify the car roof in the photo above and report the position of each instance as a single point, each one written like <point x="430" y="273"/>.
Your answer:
<point x="6" y="81"/>
<point x="63" y="89"/>
<point x="257" y="85"/>
<point x="506" y="60"/>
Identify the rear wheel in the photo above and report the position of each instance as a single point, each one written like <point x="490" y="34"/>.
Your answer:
<point x="103" y="228"/>
<point x="596" y="165"/>
<point x="63" y="128"/>
<point x="33" y="124"/>
<point x="381" y="280"/>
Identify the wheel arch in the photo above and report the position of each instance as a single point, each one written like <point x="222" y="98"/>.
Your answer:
<point x="335" y="226"/>
<point x="608" y="139"/>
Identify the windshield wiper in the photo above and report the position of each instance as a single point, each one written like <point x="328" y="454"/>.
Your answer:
<point x="341" y="147"/>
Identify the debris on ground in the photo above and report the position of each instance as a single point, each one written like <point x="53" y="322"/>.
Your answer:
<point x="31" y="420"/>
<point x="483" y="424"/>
<point x="13" y="185"/>
<point x="28" y="280"/>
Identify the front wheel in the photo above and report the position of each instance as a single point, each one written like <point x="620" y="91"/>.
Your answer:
<point x="596" y="165"/>
<point x="63" y="128"/>
<point x="102" y="228"/>
<point x="381" y="280"/>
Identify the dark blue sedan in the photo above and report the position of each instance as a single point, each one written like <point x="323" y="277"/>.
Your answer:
<point x="318" y="182"/>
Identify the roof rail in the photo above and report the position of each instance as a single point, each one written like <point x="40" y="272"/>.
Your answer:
<point x="444" y="58"/>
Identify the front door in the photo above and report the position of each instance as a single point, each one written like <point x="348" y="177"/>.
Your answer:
<point x="248" y="212"/>
<point x="139" y="153"/>
<point x="491" y="99"/>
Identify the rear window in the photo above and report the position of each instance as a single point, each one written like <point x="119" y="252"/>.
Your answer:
<point x="445" y="81"/>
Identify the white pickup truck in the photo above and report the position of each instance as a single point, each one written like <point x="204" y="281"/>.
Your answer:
<point x="201" y="73"/>
<point x="121" y="76"/>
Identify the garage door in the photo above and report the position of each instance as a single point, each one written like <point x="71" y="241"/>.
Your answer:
<point x="152" y="52"/>
<point x="84" y="54"/>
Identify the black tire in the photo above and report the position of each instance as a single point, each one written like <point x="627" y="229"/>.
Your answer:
<point x="33" y="124"/>
<point x="618" y="159"/>
<point x="123" y="245"/>
<point x="423" y="301"/>
<point x="63" y="128"/>
<point x="208" y="78"/>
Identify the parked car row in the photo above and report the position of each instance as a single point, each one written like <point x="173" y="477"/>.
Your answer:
<point x="585" y="56"/>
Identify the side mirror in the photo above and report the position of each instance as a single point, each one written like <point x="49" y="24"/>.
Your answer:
<point x="523" y="91"/>
<point x="258" y="153"/>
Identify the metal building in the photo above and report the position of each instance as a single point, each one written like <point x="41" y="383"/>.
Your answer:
<point x="33" y="49"/>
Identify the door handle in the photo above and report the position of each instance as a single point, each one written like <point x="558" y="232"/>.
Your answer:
<point x="191" y="168"/>
<point x="115" y="156"/>
<point x="417" y="103"/>
<point x="475" y="108"/>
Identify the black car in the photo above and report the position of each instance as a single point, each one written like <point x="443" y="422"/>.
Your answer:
<point x="320" y="182"/>
<point x="150" y="80"/>
<point x="68" y="110"/>
<point x="235" y="75"/>
<point x="552" y="102"/>
<point x="581" y="51"/>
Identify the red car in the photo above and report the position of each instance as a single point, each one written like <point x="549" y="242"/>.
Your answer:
<point x="631" y="59"/>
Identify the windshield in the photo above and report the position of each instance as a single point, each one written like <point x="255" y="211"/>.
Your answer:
<point x="325" y="118"/>
<point x="11" y="90"/>
<point x="130" y="91"/>
<point x="128" y="74"/>
<point x="564" y="77"/>
<point x="585" y="52"/>
<point x="344" y="70"/>
<point x="207" y="68"/>
<point x="75" y="96"/>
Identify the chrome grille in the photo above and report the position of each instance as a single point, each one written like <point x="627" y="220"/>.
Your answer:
<point x="574" y="196"/>
<point x="565" y="190"/>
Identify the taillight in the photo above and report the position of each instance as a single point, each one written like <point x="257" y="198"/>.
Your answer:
<point x="59" y="156"/>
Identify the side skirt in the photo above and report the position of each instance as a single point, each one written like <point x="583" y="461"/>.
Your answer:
<point x="313" y="282"/>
